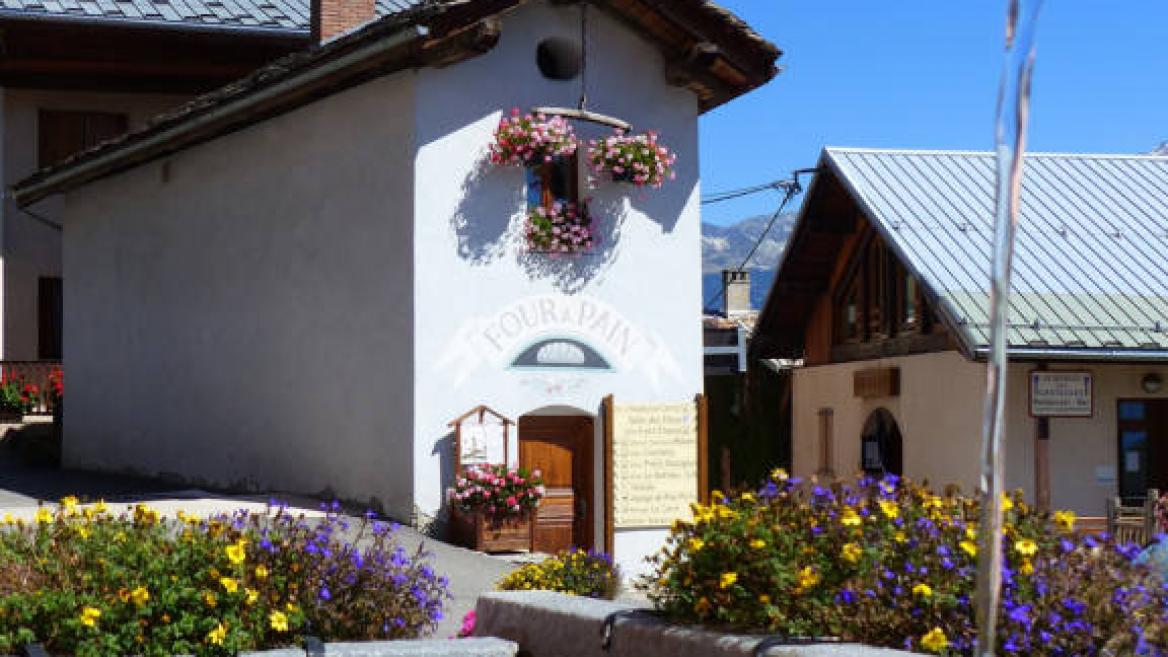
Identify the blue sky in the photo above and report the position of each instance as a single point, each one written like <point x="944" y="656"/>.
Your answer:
<point x="924" y="74"/>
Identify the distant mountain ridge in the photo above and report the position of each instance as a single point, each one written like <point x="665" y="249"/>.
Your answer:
<point x="1162" y="149"/>
<point x="725" y="247"/>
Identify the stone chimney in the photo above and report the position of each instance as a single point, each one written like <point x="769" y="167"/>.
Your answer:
<point x="735" y="292"/>
<point x="331" y="18"/>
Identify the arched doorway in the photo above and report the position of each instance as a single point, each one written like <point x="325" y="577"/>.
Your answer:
<point x="881" y="446"/>
<point x="560" y="447"/>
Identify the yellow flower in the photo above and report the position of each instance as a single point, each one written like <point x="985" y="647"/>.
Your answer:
<point x="808" y="578"/>
<point x="278" y="621"/>
<point x="291" y="607"/>
<point x="216" y="636"/>
<point x="851" y="553"/>
<point x="8" y="519"/>
<point x="935" y="640"/>
<point x="923" y="590"/>
<point x="747" y="497"/>
<point x="764" y="599"/>
<point x="696" y="544"/>
<point x="252" y="595"/>
<point x="89" y="616"/>
<point x="69" y="502"/>
<point x="140" y="595"/>
<point x="1027" y="568"/>
<point x="899" y="537"/>
<point x="849" y="518"/>
<point x="1007" y="503"/>
<point x="44" y="516"/>
<point x="100" y="506"/>
<point x="261" y="571"/>
<point x="890" y="509"/>
<point x="82" y="531"/>
<point x="779" y="474"/>
<point x="971" y="533"/>
<point x="969" y="547"/>
<point x="235" y="552"/>
<point x="758" y="544"/>
<point x="229" y="584"/>
<point x="209" y="599"/>
<point x="1065" y="520"/>
<point x="1026" y="547"/>
<point x="727" y="580"/>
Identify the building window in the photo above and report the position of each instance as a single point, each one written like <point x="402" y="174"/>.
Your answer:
<point x="826" y="443"/>
<point x="49" y="318"/>
<point x="553" y="182"/>
<point x="64" y="133"/>
<point x="881" y="446"/>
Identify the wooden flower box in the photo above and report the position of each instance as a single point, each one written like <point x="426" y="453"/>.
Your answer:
<point x="487" y="533"/>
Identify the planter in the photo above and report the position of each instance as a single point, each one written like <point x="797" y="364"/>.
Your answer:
<point x="489" y="533"/>
<point x="547" y="624"/>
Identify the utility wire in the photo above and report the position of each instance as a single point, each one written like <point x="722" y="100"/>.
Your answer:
<point x="791" y="188"/>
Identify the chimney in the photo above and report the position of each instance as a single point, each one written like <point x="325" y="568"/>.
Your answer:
<point x="331" y="18"/>
<point x="735" y="292"/>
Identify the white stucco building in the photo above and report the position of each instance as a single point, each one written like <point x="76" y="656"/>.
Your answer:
<point x="296" y="282"/>
<point x="883" y="293"/>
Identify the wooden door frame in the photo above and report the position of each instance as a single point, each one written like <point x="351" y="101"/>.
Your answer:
<point x="583" y="428"/>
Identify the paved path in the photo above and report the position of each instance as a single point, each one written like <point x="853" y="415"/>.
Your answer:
<point x="22" y="487"/>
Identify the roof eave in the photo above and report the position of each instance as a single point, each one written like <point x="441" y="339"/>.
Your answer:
<point x="1080" y="355"/>
<point x="406" y="46"/>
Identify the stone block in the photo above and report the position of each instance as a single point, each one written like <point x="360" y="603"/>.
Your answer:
<point x="546" y="624"/>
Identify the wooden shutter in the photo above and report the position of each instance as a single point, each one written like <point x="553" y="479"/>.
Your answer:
<point x="49" y="321"/>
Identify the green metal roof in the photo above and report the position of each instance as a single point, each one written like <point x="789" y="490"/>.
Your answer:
<point x="1091" y="257"/>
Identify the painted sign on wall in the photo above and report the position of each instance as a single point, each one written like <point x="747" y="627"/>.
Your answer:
<point x="1061" y="394"/>
<point x="654" y="463"/>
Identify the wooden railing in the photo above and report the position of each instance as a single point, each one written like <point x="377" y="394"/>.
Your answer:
<point x="1133" y="524"/>
<point x="35" y="372"/>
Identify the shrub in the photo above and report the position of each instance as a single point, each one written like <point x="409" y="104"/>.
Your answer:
<point x="637" y="159"/>
<point x="85" y="582"/>
<point x="588" y="574"/>
<point x="497" y="490"/>
<point x="889" y="563"/>
<point x="531" y="139"/>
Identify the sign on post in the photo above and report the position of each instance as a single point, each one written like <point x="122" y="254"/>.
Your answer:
<point x="654" y="463"/>
<point x="1061" y="394"/>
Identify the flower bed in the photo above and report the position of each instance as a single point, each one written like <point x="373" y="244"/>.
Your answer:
<point x="576" y="572"/>
<point x="85" y="582"/>
<point x="17" y="396"/>
<point x="497" y="490"/>
<point x="636" y="159"/>
<point x="888" y="563"/>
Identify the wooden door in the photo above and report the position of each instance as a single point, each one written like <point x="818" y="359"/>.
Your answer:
<point x="561" y="449"/>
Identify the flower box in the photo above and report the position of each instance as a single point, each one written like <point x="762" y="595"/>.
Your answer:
<point x="485" y="532"/>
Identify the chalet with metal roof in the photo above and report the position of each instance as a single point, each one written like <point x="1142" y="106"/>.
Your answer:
<point x="883" y="291"/>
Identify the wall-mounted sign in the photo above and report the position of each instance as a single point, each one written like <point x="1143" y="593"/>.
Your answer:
<point x="482" y="437"/>
<point x="654" y="462"/>
<point x="876" y="383"/>
<point x="1061" y="394"/>
<point x="553" y="334"/>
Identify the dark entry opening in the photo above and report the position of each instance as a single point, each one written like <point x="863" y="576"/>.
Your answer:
<point x="882" y="448"/>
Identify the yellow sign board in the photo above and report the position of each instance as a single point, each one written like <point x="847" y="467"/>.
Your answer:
<point x="654" y="463"/>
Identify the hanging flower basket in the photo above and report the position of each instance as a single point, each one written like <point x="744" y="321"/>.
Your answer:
<point x="639" y="160"/>
<point x="530" y="139"/>
<point x="560" y="228"/>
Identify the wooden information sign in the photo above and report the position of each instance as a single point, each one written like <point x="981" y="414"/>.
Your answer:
<point x="654" y="463"/>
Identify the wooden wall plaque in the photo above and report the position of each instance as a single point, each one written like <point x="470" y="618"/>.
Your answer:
<point x="654" y="463"/>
